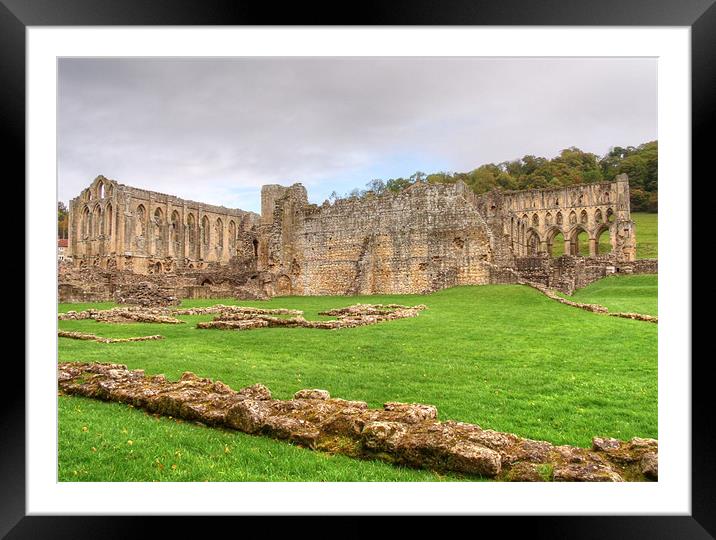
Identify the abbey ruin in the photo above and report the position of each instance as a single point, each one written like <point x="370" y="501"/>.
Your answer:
<point x="424" y="238"/>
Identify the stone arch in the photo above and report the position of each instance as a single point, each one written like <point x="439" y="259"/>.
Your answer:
<point x="86" y="224"/>
<point x="109" y="218"/>
<point x="97" y="225"/>
<point x="158" y="224"/>
<point x="140" y="221"/>
<point x="157" y="267"/>
<point x="603" y="245"/>
<point x="579" y="241"/>
<point x="583" y="218"/>
<point x="598" y="216"/>
<point x="176" y="233"/>
<point x="572" y="217"/>
<point x="533" y="242"/>
<point x="535" y="220"/>
<point x="610" y="215"/>
<point x="232" y="236"/>
<point x="554" y="238"/>
<point x="559" y="219"/>
<point x="219" y="227"/>
<point x="191" y="233"/>
<point x="100" y="190"/>
<point x="548" y="219"/>
<point x="205" y="231"/>
<point x="283" y="285"/>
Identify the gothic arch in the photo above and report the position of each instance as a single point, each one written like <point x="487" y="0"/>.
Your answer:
<point x="219" y="232"/>
<point x="533" y="242"/>
<point x="583" y="218"/>
<point x="176" y="233"/>
<point x="140" y="221"/>
<point x="600" y="245"/>
<point x="535" y="220"/>
<point x="110" y="219"/>
<point x="205" y="231"/>
<point x="232" y="236"/>
<point x="97" y="225"/>
<point x="576" y="246"/>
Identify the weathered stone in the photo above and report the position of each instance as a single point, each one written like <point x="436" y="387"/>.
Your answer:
<point x="585" y="473"/>
<point x="404" y="433"/>
<point x="472" y="458"/>
<point x="312" y="394"/>
<point x="412" y="412"/>
<point x="649" y="465"/>
<point x="248" y="415"/>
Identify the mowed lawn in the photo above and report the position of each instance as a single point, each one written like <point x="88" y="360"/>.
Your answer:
<point x="636" y="293"/>
<point x="647" y="238"/>
<point x="503" y="356"/>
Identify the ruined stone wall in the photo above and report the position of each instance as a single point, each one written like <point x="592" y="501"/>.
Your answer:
<point x="532" y="219"/>
<point x="424" y="238"/>
<point x="114" y="226"/>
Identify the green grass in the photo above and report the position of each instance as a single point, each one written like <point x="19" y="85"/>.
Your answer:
<point x="647" y="239"/>
<point x="622" y="293"/>
<point x="504" y="357"/>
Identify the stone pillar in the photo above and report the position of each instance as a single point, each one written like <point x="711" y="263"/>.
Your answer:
<point x="567" y="247"/>
<point x="592" y="247"/>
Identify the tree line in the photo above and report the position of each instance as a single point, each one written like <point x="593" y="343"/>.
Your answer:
<point x="572" y="166"/>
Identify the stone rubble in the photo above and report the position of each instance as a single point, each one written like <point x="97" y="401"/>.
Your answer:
<point x="349" y="317"/>
<point x="100" y="339"/>
<point x="400" y="433"/>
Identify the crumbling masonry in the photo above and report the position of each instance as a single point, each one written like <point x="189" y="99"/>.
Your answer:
<point x="421" y="239"/>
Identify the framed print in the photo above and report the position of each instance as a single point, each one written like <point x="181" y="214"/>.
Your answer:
<point x="404" y="264"/>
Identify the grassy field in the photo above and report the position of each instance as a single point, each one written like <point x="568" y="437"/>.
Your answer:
<point x="647" y="244"/>
<point x="623" y="293"/>
<point x="504" y="357"/>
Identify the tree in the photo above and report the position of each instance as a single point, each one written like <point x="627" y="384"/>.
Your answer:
<point x="62" y="220"/>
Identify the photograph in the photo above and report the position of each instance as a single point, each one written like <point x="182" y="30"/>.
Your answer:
<point x="357" y="269"/>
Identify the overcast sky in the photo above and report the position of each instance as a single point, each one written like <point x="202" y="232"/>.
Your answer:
<point x="215" y="130"/>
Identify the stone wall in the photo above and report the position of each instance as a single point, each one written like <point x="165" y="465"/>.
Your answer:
<point x="422" y="239"/>
<point x="114" y="226"/>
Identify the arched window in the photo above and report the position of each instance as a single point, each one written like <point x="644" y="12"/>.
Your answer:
<point x="583" y="217"/>
<point x="548" y="219"/>
<point x="572" y="217"/>
<point x="598" y="216"/>
<point x="86" y="222"/>
<point x="610" y="215"/>
<point x="191" y="233"/>
<point x="140" y="221"/>
<point x="205" y="231"/>
<point x="109" y="218"/>
<point x="100" y="190"/>
<point x="232" y="235"/>
<point x="97" y="225"/>
<point x="559" y="218"/>
<point x="158" y="217"/>
<point x="219" y="232"/>
<point x="604" y="241"/>
<point x="532" y="242"/>
<point x="176" y="225"/>
<point x="535" y="220"/>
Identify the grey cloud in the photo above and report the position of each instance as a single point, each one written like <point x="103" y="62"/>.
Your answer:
<point x="216" y="129"/>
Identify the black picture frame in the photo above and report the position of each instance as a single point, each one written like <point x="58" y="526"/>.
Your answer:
<point x="16" y="15"/>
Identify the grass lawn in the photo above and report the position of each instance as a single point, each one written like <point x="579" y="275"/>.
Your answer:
<point x="503" y="356"/>
<point x="622" y="293"/>
<point x="647" y="239"/>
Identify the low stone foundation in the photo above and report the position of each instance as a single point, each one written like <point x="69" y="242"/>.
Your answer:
<point x="100" y="339"/>
<point x="401" y="433"/>
<point x="594" y="308"/>
<point x="349" y="317"/>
